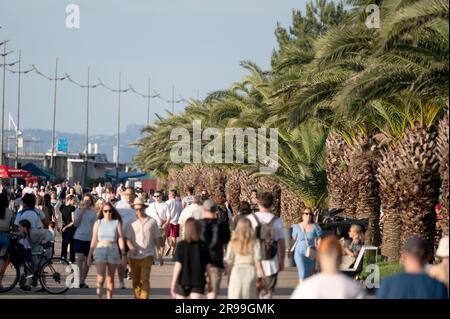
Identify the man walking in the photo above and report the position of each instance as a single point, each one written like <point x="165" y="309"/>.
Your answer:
<point x="264" y="219"/>
<point x="128" y="215"/>
<point x="413" y="283"/>
<point x="174" y="209"/>
<point x="217" y="235"/>
<point x="159" y="212"/>
<point x="142" y="237"/>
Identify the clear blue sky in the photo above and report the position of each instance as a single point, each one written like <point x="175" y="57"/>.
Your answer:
<point x="193" y="44"/>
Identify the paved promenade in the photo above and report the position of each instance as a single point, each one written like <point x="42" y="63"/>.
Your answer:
<point x="160" y="279"/>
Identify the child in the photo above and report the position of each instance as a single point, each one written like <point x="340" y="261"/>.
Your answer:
<point x="351" y="251"/>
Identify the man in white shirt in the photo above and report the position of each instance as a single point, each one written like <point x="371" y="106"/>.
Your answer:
<point x="158" y="210"/>
<point x="330" y="283"/>
<point x="28" y="189"/>
<point x="174" y="208"/>
<point x="29" y="212"/>
<point x="128" y="215"/>
<point x="143" y="238"/>
<point x="189" y="198"/>
<point x="273" y="266"/>
<point x="99" y="190"/>
<point x="195" y="210"/>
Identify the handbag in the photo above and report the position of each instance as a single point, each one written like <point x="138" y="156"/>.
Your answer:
<point x="311" y="251"/>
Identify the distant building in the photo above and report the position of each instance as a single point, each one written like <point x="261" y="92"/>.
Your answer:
<point x="67" y="165"/>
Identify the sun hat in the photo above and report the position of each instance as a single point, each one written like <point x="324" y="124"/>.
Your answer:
<point x="442" y="251"/>
<point x="139" y="201"/>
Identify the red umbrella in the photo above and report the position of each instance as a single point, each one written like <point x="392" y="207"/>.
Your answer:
<point x="11" y="172"/>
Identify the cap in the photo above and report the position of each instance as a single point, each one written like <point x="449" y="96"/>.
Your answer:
<point x="442" y="251"/>
<point x="209" y="205"/>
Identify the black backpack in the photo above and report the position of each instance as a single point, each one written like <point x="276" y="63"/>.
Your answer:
<point x="264" y="233"/>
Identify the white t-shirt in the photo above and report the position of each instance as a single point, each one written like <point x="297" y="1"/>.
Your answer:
<point x="270" y="267"/>
<point x="187" y="200"/>
<point x="122" y="204"/>
<point x="193" y="210"/>
<point x="329" y="286"/>
<point x="27" y="190"/>
<point x="35" y="218"/>
<point x="84" y="230"/>
<point x="128" y="216"/>
<point x="158" y="211"/>
<point x="174" y="209"/>
<point x="99" y="191"/>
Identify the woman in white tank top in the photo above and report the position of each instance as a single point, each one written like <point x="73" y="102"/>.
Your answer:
<point x="107" y="238"/>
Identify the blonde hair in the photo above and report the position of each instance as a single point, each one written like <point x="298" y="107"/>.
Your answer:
<point x="358" y="229"/>
<point x="243" y="237"/>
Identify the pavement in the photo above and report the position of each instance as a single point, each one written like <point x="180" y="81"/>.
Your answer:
<point x="160" y="279"/>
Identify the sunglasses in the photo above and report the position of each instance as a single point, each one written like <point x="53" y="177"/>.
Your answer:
<point x="157" y="196"/>
<point x="107" y="211"/>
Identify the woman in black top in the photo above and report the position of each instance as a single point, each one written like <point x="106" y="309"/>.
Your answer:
<point x="191" y="264"/>
<point x="67" y="214"/>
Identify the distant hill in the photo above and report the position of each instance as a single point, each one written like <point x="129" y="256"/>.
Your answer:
<point x="77" y="141"/>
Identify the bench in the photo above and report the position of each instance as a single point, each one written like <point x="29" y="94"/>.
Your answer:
<point x="357" y="267"/>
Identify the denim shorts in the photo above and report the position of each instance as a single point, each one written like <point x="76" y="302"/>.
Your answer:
<point x="5" y="239"/>
<point x="108" y="255"/>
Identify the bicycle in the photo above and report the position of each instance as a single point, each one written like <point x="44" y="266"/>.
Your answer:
<point x="51" y="272"/>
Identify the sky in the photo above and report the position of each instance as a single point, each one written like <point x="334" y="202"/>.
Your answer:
<point x="195" y="45"/>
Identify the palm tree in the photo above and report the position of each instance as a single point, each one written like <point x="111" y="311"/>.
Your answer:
<point x="409" y="172"/>
<point x="302" y="164"/>
<point x="442" y="152"/>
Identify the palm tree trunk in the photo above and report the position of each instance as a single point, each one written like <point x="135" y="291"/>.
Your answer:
<point x="390" y="221"/>
<point x="442" y="152"/>
<point x="363" y="166"/>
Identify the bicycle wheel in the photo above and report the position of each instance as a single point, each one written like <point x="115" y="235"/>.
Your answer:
<point x="9" y="277"/>
<point x="56" y="275"/>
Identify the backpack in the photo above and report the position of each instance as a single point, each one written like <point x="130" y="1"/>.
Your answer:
<point x="264" y="233"/>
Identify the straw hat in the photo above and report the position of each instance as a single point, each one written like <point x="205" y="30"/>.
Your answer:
<point x="139" y="201"/>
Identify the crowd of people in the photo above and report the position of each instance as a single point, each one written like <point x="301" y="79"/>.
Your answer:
<point x="127" y="231"/>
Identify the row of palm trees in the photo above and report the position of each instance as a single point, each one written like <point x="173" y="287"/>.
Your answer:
<point x="362" y="116"/>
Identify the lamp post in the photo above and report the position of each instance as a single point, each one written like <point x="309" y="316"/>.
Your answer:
<point x="119" y="91"/>
<point x="86" y="86"/>
<point x="19" y="73"/>
<point x="55" y="79"/>
<point x="148" y="97"/>
<point x="4" y="54"/>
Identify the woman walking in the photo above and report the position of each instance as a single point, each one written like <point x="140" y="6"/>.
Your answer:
<point x="49" y="211"/>
<point x="191" y="264"/>
<point x="68" y="229"/>
<point x="6" y="216"/>
<point x="84" y="219"/>
<point x="306" y="235"/>
<point x="243" y="256"/>
<point x="106" y="234"/>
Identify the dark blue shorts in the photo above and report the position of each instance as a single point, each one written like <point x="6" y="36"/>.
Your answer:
<point x="81" y="246"/>
<point x="5" y="239"/>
